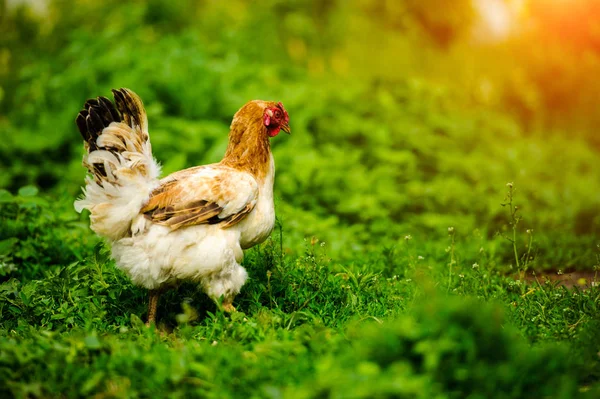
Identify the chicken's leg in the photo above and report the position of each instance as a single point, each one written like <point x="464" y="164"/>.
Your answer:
<point x="153" y="296"/>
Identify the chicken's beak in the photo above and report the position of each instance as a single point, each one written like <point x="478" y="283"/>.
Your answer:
<point x="286" y="128"/>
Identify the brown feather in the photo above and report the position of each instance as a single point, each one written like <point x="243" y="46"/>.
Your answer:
<point x="248" y="151"/>
<point x="249" y="148"/>
<point x="184" y="199"/>
<point x="238" y="217"/>
<point x="193" y="216"/>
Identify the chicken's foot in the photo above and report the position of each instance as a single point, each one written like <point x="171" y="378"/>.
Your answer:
<point x="228" y="305"/>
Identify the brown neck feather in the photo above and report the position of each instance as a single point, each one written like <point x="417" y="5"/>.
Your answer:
<point x="249" y="148"/>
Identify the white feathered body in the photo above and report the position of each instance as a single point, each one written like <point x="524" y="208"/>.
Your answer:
<point x="192" y="225"/>
<point x="155" y="255"/>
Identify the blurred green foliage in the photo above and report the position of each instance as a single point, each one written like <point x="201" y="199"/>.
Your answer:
<point x="378" y="151"/>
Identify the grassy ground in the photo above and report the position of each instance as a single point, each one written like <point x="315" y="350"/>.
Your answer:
<point x="394" y="324"/>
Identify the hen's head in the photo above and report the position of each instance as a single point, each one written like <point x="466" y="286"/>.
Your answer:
<point x="275" y="119"/>
<point x="249" y="147"/>
<point x="265" y="116"/>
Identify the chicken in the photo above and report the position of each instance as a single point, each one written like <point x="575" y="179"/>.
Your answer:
<point x="192" y="225"/>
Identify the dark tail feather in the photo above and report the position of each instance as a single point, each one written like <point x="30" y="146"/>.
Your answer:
<point x="96" y="115"/>
<point x="100" y="112"/>
<point x="131" y="107"/>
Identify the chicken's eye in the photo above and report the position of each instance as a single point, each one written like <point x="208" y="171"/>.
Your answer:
<point x="277" y="114"/>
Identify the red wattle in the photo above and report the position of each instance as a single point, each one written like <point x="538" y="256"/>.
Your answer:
<point x="272" y="132"/>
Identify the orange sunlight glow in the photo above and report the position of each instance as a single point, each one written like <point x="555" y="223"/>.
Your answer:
<point x="575" y="23"/>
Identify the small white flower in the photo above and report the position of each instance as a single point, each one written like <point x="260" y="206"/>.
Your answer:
<point x="408" y="237"/>
<point x="420" y="257"/>
<point x="475" y="265"/>
<point x="461" y="275"/>
<point x="559" y="272"/>
<point x="323" y="243"/>
<point x="510" y="184"/>
<point x="450" y="229"/>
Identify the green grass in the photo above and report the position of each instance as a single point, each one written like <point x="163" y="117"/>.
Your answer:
<point x="397" y="324"/>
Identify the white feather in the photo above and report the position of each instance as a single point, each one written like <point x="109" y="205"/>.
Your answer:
<point x="156" y="255"/>
<point x="130" y="178"/>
